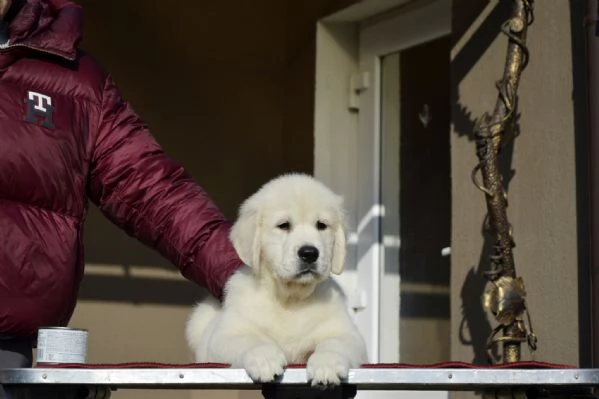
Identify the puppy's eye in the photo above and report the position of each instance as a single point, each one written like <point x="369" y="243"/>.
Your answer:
<point x="284" y="226"/>
<point x="321" y="226"/>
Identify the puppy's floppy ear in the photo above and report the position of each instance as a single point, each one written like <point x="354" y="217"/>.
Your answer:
<point x="340" y="245"/>
<point x="245" y="236"/>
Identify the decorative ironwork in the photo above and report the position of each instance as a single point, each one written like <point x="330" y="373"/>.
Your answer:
<point x="505" y="294"/>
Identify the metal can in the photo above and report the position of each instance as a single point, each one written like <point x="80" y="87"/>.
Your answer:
<point x="61" y="345"/>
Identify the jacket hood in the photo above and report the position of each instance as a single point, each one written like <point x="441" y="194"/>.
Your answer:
<point x="51" y="26"/>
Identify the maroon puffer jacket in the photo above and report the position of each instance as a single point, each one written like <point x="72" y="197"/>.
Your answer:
<point x="66" y="134"/>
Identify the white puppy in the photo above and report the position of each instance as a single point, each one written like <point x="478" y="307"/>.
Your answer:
<point x="284" y="308"/>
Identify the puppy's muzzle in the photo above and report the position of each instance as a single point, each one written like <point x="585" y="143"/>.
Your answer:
<point x="308" y="254"/>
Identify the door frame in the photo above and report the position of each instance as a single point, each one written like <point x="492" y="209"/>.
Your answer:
<point x="348" y="148"/>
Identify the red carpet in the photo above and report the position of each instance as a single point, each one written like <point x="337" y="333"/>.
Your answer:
<point x="445" y="365"/>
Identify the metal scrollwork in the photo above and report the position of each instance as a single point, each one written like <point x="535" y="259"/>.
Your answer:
<point x="505" y="294"/>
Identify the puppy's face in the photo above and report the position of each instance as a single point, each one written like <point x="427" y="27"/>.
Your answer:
<point x="294" y="228"/>
<point x="298" y="240"/>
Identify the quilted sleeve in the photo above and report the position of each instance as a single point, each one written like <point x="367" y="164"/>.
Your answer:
<point x="139" y="188"/>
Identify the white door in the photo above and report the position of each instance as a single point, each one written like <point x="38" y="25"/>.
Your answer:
<point x="370" y="144"/>
<point x="381" y="172"/>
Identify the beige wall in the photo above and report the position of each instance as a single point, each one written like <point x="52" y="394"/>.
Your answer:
<point x="542" y="192"/>
<point x="210" y="83"/>
<point x="228" y="91"/>
<point x="225" y="88"/>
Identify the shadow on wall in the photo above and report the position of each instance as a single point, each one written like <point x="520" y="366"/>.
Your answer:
<point x="210" y="83"/>
<point x="474" y="317"/>
<point x="140" y="290"/>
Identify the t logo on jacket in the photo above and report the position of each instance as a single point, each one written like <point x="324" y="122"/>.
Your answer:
<point x="39" y="109"/>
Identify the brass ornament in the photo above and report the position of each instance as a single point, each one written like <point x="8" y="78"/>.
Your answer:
<point x="505" y="294"/>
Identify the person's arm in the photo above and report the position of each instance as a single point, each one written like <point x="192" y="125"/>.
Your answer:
<point x="139" y="188"/>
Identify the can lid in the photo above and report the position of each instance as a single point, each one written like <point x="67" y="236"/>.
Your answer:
<point x="62" y="328"/>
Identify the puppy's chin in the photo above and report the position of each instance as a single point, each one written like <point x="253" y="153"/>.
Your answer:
<point x="299" y="279"/>
<point x="308" y="277"/>
<point x="303" y="275"/>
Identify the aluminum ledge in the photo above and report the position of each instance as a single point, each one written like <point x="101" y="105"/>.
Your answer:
<point x="364" y="379"/>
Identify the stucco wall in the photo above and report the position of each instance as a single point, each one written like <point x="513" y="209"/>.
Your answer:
<point x="542" y="190"/>
<point x="227" y="89"/>
<point x="210" y="79"/>
<point x="222" y="94"/>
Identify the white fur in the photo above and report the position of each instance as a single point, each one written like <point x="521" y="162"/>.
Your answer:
<point x="273" y="316"/>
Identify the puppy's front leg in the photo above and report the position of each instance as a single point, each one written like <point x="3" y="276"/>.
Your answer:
<point x="333" y="357"/>
<point x="262" y="359"/>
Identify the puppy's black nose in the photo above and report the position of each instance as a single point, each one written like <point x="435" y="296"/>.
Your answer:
<point x="308" y="253"/>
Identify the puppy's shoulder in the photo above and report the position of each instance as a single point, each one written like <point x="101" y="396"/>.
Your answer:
<point x="242" y="284"/>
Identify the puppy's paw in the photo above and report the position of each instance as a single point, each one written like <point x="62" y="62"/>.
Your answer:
<point x="264" y="363"/>
<point x="325" y="369"/>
